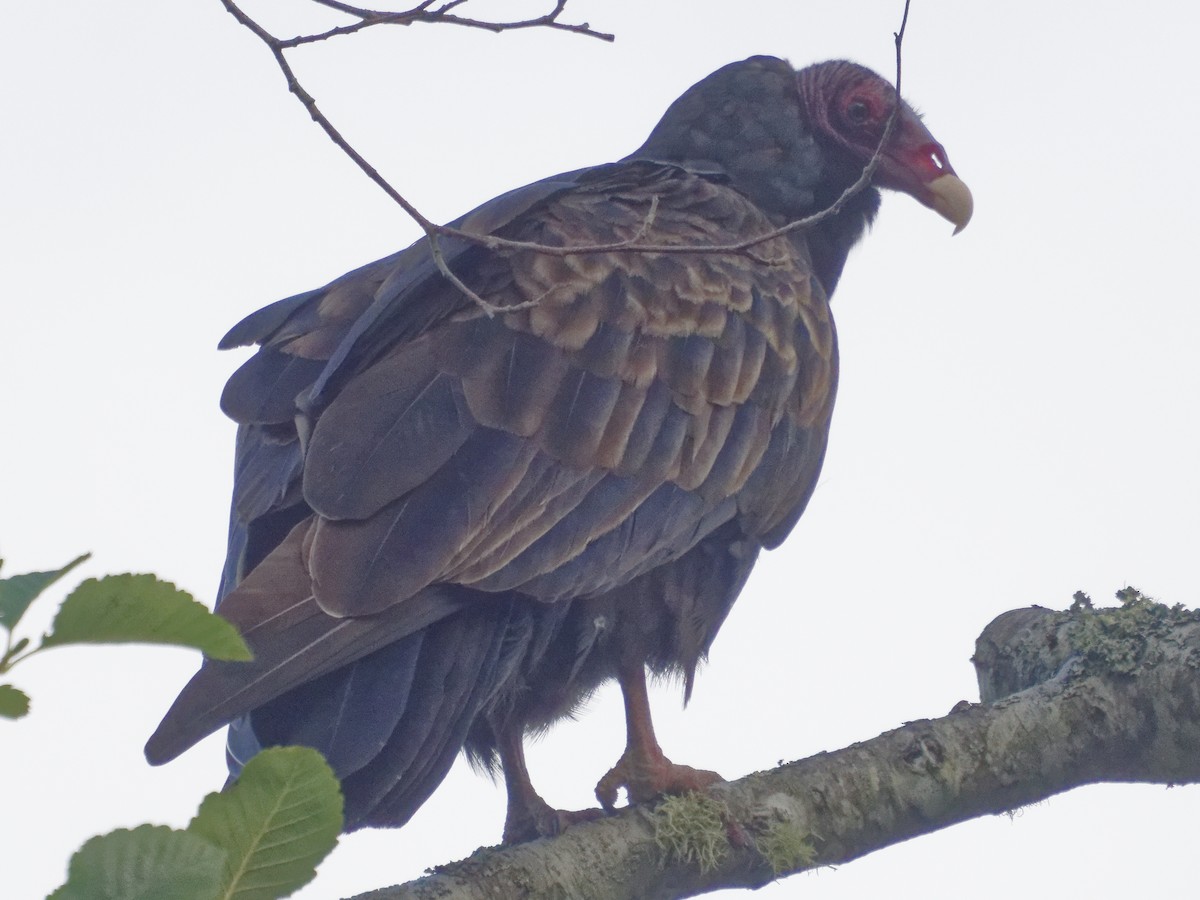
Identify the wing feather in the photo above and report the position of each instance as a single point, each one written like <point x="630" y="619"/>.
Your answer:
<point x="388" y="432"/>
<point x="363" y="566"/>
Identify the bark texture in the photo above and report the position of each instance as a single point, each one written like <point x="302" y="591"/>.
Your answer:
<point x="1071" y="698"/>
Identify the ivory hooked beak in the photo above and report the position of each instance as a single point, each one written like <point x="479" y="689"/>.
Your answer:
<point x="952" y="200"/>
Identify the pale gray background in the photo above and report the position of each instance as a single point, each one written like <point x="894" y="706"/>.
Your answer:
<point x="1017" y="417"/>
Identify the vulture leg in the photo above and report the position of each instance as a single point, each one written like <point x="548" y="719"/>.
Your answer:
<point x="642" y="769"/>
<point x="529" y="816"/>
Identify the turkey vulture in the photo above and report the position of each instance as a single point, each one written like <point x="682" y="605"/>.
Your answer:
<point x="449" y="527"/>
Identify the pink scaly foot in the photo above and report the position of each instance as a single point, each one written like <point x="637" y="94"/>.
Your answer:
<point x="647" y="776"/>
<point x="643" y="770"/>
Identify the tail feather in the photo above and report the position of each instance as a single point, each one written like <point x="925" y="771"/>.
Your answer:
<point x="464" y="662"/>
<point x="294" y="641"/>
<point x="350" y="714"/>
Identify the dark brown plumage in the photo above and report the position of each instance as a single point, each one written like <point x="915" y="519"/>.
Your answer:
<point x="448" y="528"/>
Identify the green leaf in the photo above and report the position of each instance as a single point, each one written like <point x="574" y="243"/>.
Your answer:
<point x="281" y="818"/>
<point x="150" y="862"/>
<point x="18" y="592"/>
<point x="14" y="703"/>
<point x="141" y="608"/>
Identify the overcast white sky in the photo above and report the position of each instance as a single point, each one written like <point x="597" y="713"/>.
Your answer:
<point x="1017" y="416"/>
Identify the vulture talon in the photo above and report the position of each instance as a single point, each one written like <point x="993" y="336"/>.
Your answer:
<point x="544" y="821"/>
<point x="529" y="816"/>
<point x="643" y="770"/>
<point x="645" y="778"/>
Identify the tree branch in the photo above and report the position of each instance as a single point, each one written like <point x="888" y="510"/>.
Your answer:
<point x="1104" y="695"/>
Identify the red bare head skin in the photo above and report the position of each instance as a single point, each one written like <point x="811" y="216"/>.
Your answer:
<point x="849" y="106"/>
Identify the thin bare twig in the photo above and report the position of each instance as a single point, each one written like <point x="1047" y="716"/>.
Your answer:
<point x="424" y="13"/>
<point x="439" y="260"/>
<point x="367" y="21"/>
<point x="431" y="229"/>
<point x="354" y="10"/>
<point x="277" y="50"/>
<point x="550" y="20"/>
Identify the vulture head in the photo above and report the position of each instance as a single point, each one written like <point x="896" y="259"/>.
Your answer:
<point x="793" y="140"/>
<point x="849" y="106"/>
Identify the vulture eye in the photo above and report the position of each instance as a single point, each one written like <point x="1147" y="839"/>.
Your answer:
<point x="858" y="112"/>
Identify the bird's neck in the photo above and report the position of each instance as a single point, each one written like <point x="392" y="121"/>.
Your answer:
<point x="830" y="241"/>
